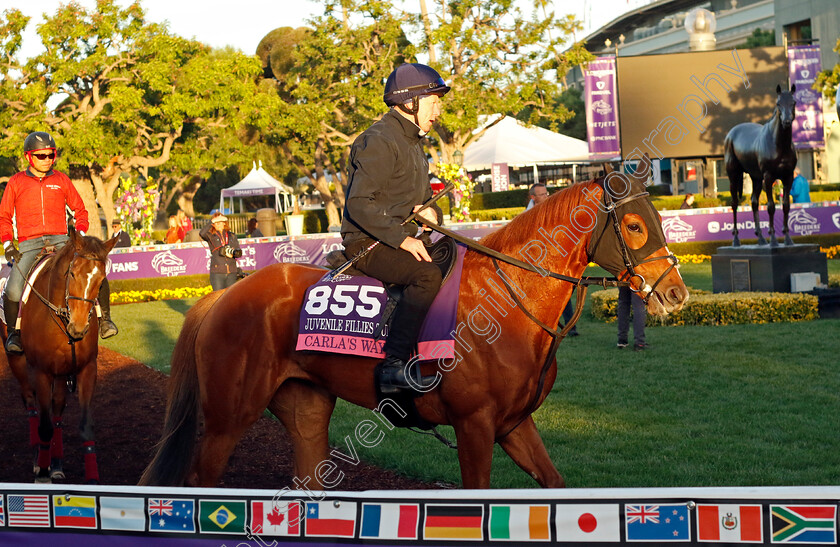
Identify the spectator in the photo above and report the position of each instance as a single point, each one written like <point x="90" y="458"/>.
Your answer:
<point x="123" y="239"/>
<point x="688" y="202"/>
<point x="538" y="194"/>
<point x="253" y="231"/>
<point x="175" y="234"/>
<point x="224" y="250"/>
<point x="799" y="190"/>
<point x="625" y="296"/>
<point x="184" y="221"/>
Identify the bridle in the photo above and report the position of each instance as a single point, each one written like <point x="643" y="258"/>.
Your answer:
<point x="63" y="313"/>
<point x="628" y="258"/>
<point x="608" y="216"/>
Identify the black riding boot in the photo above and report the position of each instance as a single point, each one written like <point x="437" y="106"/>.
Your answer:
<point x="10" y="309"/>
<point x="393" y="379"/>
<point x="107" y="328"/>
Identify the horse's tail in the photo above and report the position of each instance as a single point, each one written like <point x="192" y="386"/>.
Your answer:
<point x="174" y="454"/>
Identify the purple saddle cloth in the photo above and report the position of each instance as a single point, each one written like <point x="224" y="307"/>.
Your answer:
<point x="340" y="315"/>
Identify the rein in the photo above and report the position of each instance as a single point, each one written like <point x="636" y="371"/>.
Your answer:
<point x="582" y="283"/>
<point x="63" y="313"/>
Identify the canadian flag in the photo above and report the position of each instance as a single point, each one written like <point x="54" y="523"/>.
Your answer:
<point x="275" y="518"/>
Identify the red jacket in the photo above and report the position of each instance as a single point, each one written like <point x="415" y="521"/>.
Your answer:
<point x="38" y="206"/>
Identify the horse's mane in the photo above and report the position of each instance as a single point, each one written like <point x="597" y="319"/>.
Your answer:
<point x="89" y="246"/>
<point x="555" y="211"/>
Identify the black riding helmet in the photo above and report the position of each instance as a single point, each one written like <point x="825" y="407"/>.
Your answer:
<point x="37" y="140"/>
<point x="410" y="81"/>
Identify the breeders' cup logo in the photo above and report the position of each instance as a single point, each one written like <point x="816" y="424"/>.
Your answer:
<point x="677" y="230"/>
<point x="168" y="264"/>
<point x="803" y="223"/>
<point x="289" y="252"/>
<point x="602" y="107"/>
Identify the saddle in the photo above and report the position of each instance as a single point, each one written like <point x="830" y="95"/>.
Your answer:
<point x="401" y="410"/>
<point x="442" y="252"/>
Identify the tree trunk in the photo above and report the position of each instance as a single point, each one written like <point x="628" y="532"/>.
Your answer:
<point x="85" y="189"/>
<point x="188" y="191"/>
<point x="427" y="27"/>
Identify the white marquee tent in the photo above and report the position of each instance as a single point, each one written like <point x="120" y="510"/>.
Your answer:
<point x="512" y="142"/>
<point x="258" y="183"/>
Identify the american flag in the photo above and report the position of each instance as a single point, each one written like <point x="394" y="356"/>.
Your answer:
<point x="160" y="507"/>
<point x="29" y="510"/>
<point x="642" y="513"/>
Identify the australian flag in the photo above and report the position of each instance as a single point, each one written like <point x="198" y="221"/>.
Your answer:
<point x="657" y="522"/>
<point x="171" y="515"/>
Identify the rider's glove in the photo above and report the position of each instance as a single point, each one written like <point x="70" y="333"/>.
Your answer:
<point x="12" y="254"/>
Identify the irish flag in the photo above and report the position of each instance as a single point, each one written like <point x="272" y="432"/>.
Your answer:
<point x="519" y="522"/>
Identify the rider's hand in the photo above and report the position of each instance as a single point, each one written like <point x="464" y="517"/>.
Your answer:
<point x="12" y="254"/>
<point x="416" y="248"/>
<point x="426" y="214"/>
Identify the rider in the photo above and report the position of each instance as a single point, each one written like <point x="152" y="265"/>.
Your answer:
<point x="35" y="202"/>
<point x="388" y="180"/>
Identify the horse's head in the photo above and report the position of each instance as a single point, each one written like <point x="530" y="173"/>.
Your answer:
<point x="785" y="105"/>
<point x="84" y="258"/>
<point x="628" y="242"/>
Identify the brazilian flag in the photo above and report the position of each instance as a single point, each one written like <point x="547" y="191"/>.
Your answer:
<point x="221" y="517"/>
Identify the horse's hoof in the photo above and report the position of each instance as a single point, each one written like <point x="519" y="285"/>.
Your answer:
<point x="762" y="241"/>
<point x="57" y="474"/>
<point x="43" y="480"/>
<point x="92" y="481"/>
<point x="788" y="241"/>
<point x="774" y="242"/>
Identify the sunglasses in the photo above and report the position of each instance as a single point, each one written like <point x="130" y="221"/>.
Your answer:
<point x="50" y="156"/>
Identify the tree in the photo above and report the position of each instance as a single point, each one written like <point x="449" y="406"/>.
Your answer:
<point x="759" y="38"/>
<point x="828" y="80"/>
<point x="496" y="62"/>
<point x="134" y="96"/>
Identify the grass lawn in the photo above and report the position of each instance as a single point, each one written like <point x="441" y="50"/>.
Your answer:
<point x="748" y="405"/>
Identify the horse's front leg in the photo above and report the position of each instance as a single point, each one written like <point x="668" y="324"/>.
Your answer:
<point x="43" y="389"/>
<point x="786" y="213"/>
<point x="525" y="447"/>
<point x="57" y="443"/>
<point x="86" y="379"/>
<point x="771" y="212"/>
<point x="475" y="437"/>
<point x="736" y="180"/>
<point x="754" y="202"/>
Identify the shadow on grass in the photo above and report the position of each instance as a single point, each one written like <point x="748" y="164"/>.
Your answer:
<point x="180" y="306"/>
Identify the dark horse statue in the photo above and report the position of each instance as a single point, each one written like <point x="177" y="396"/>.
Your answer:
<point x="60" y="335"/>
<point x="502" y="371"/>
<point x="766" y="153"/>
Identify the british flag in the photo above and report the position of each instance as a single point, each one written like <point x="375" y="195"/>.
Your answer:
<point x="160" y="507"/>
<point x="642" y="513"/>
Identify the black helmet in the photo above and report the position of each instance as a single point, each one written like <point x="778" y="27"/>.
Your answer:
<point x="38" y="140"/>
<point x="412" y="80"/>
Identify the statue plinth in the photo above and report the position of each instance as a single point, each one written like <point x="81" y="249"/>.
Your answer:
<point x="762" y="268"/>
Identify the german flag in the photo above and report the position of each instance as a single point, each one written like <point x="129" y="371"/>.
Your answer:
<point x="453" y="522"/>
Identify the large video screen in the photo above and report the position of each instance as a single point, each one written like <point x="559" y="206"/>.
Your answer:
<point x="682" y="105"/>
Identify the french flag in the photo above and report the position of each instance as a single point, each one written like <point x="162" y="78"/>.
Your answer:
<point x="389" y="520"/>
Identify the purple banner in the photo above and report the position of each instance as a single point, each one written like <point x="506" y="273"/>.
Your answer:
<point x="804" y="65"/>
<point x="194" y="258"/>
<point x="602" y="107"/>
<point x="716" y="224"/>
<point x="500" y="176"/>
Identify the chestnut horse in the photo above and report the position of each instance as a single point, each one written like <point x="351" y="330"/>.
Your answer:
<point x="60" y="335"/>
<point x="766" y="153"/>
<point x="236" y="352"/>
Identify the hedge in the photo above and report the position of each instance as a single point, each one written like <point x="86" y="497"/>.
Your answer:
<point x="721" y="309"/>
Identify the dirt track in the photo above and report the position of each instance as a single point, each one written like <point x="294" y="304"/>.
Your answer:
<point x="128" y="411"/>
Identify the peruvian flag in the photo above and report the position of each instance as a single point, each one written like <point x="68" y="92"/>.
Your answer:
<point x="729" y="523"/>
